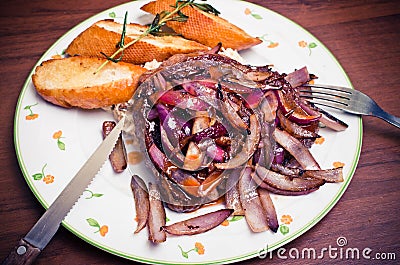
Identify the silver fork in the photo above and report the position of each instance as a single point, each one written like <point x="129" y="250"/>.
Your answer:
<point x="346" y="99"/>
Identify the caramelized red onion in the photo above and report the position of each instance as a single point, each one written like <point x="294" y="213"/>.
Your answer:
<point x="185" y="180"/>
<point x="295" y="129"/>
<point x="274" y="190"/>
<point x="326" y="118"/>
<point x="199" y="224"/>
<point x="298" y="77"/>
<point x="290" y="107"/>
<point x="232" y="198"/>
<point x="157" y="217"/>
<point x="283" y="182"/>
<point x="216" y="130"/>
<point x="249" y="146"/>
<point x="329" y="175"/>
<point x="209" y="186"/>
<point x="141" y="197"/>
<point x="241" y="104"/>
<point x="118" y="155"/>
<point x="250" y="200"/>
<point x="268" y="205"/>
<point x="296" y="149"/>
<point x="175" y="198"/>
<point x="269" y="106"/>
<point x="182" y="99"/>
<point x="231" y="114"/>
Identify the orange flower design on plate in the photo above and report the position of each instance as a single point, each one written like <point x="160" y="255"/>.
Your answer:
<point x="31" y="115"/>
<point x="273" y="44"/>
<point x="270" y="43"/>
<point x="309" y="46"/>
<point x="47" y="178"/>
<point x="248" y="11"/>
<point x="198" y="247"/>
<point x="286" y="219"/>
<point x="338" y="164"/>
<point x="302" y="44"/>
<point x="58" y="135"/>
<point x="225" y="223"/>
<point x="101" y="229"/>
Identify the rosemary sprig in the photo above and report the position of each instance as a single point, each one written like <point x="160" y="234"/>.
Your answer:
<point x="120" y="44"/>
<point x="160" y="20"/>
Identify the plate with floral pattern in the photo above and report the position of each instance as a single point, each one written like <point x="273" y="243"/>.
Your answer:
<point x="52" y="143"/>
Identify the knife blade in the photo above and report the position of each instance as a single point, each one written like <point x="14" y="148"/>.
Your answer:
<point x="30" y="246"/>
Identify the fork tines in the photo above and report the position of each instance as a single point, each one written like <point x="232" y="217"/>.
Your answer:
<point x="326" y="95"/>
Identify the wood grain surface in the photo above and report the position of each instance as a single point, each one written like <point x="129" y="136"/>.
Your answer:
<point x="363" y="35"/>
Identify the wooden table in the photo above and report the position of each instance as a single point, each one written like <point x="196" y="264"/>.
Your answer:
<point x="363" y="35"/>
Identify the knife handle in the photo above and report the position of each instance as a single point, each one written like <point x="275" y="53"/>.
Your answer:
<point x="23" y="253"/>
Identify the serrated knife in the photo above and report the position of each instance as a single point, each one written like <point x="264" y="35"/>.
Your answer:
<point x="30" y="246"/>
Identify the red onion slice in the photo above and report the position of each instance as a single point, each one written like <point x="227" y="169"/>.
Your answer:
<point x="269" y="106"/>
<point x="254" y="98"/>
<point x="199" y="224"/>
<point x="158" y="158"/>
<point x="232" y="198"/>
<point x="271" y="189"/>
<point x="175" y="155"/>
<point x="157" y="216"/>
<point x="269" y="208"/>
<point x="141" y="197"/>
<point x="296" y="149"/>
<point x="326" y="118"/>
<point x="118" y="155"/>
<point x="298" y="77"/>
<point x="186" y="181"/>
<point x="250" y="201"/>
<point x="283" y="182"/>
<point x="181" y="100"/>
<point x="214" y="131"/>
<point x="194" y="156"/>
<point x="248" y="149"/>
<point x="329" y="175"/>
<point x="294" y="129"/>
<point x="233" y="117"/>
<point x="210" y="184"/>
<point x="289" y="105"/>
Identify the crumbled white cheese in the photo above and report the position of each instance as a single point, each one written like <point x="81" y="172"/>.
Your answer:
<point x="233" y="54"/>
<point x="152" y="64"/>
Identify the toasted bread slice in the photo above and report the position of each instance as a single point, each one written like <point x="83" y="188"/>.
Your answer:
<point x="204" y="27"/>
<point x="104" y="35"/>
<point x="71" y="82"/>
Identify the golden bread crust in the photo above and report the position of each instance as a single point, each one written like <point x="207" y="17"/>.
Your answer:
<point x="104" y="35"/>
<point x="71" y="82"/>
<point x="205" y="28"/>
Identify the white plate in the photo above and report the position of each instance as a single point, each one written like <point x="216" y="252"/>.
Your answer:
<point x="286" y="45"/>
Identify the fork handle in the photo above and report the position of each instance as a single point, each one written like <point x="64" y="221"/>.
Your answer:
<point x="389" y="118"/>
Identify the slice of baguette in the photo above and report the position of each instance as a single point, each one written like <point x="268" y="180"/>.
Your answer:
<point x="204" y="27"/>
<point x="71" y="82"/>
<point x="104" y="35"/>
